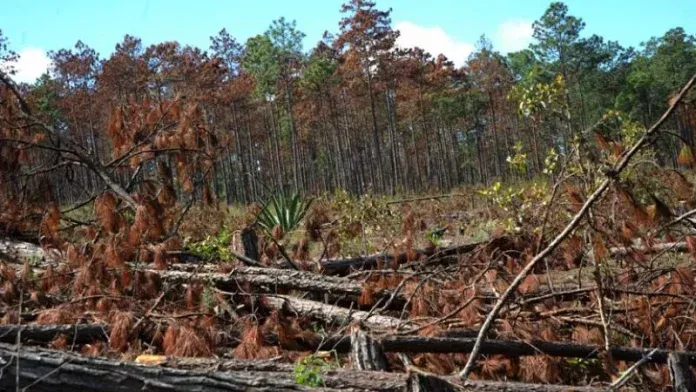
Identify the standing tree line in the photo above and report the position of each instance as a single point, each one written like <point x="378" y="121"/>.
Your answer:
<point x="355" y="112"/>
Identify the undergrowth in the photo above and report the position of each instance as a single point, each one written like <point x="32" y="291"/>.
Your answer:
<point x="308" y="370"/>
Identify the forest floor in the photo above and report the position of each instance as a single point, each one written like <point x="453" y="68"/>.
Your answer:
<point x="403" y="319"/>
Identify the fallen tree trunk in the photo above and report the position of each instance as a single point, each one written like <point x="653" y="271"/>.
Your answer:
<point x="20" y="251"/>
<point x="275" y="279"/>
<point x="343" y="266"/>
<point x="50" y="370"/>
<point x="85" y="333"/>
<point x="655" y="248"/>
<point x="419" y="382"/>
<point x="80" y="333"/>
<point x="333" y="314"/>
<point x="509" y="348"/>
<point x="514" y="348"/>
<point x="436" y="197"/>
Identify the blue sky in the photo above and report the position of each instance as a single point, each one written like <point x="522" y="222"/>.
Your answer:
<point x="449" y="26"/>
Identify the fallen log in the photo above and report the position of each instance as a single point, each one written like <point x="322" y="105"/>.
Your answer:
<point x="274" y="279"/>
<point x="343" y="266"/>
<point x="333" y="314"/>
<point x="80" y="333"/>
<point x="21" y="251"/>
<point x="515" y="348"/>
<point x="508" y="348"/>
<point x="85" y="333"/>
<point x="49" y="370"/>
<point x="651" y="249"/>
<point x="436" y="197"/>
<point x="280" y="278"/>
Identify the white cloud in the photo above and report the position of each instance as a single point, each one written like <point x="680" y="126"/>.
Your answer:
<point x="434" y="40"/>
<point x="513" y="35"/>
<point x="32" y="63"/>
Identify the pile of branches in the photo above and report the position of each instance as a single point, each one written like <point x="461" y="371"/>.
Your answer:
<point x="123" y="310"/>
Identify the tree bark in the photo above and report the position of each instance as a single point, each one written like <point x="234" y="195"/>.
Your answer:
<point x="680" y="372"/>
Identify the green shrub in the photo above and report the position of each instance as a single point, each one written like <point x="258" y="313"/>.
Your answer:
<point x="308" y="371"/>
<point x="213" y="248"/>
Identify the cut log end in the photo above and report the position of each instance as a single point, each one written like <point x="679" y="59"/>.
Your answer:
<point x="365" y="352"/>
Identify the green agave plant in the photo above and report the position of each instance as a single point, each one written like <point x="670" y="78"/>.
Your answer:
<point x="283" y="210"/>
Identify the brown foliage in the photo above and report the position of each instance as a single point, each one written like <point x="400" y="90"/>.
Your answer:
<point x="251" y="345"/>
<point x="187" y="112"/>
<point x="301" y="251"/>
<point x="366" y="297"/>
<point x="51" y="222"/>
<point x="317" y="216"/>
<point x="160" y="258"/>
<point x="60" y="315"/>
<point x="540" y="369"/>
<point x="121" y="325"/>
<point x="93" y="349"/>
<point x="183" y="340"/>
<point x="105" y="212"/>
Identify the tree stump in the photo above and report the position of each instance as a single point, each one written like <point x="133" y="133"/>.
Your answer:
<point x="365" y="352"/>
<point x="250" y="242"/>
